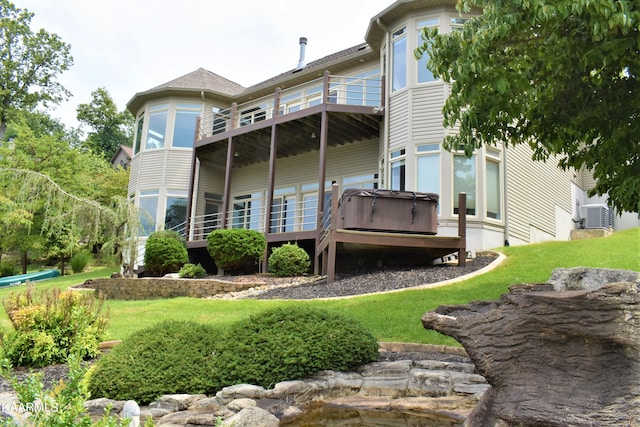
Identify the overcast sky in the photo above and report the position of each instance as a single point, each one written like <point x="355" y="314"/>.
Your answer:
<point x="129" y="46"/>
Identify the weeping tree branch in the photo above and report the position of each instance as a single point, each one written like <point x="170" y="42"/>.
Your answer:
<point x="116" y="226"/>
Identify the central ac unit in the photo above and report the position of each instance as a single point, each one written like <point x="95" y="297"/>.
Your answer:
<point x="598" y="216"/>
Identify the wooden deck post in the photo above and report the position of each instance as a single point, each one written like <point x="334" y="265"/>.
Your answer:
<point x="332" y="247"/>
<point x="462" y="229"/>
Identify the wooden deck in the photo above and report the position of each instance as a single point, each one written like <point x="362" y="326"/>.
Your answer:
<point x="336" y="240"/>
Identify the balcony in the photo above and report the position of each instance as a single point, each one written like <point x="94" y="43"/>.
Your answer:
<point x="354" y="104"/>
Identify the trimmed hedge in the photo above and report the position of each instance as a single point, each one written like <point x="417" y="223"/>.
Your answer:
<point x="291" y="343"/>
<point x="269" y="347"/>
<point x="164" y="253"/>
<point x="166" y="358"/>
<point x="236" y="250"/>
<point x="289" y="260"/>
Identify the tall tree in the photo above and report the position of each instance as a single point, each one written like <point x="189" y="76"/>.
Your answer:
<point x="110" y="127"/>
<point x="560" y="76"/>
<point x="52" y="185"/>
<point x="30" y="62"/>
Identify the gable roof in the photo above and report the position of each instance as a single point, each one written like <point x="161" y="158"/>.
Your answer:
<point x="128" y="151"/>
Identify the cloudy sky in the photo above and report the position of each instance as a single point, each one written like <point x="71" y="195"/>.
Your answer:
<point x="129" y="46"/>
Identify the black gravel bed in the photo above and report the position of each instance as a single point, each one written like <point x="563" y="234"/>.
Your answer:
<point x="385" y="279"/>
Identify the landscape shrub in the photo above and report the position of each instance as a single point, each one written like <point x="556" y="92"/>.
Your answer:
<point x="289" y="260"/>
<point x="290" y="343"/>
<point x="192" y="271"/>
<point x="80" y="261"/>
<point x="61" y="406"/>
<point x="7" y="269"/>
<point x="164" y="253"/>
<point x="51" y="324"/>
<point x="236" y="250"/>
<point x="169" y="357"/>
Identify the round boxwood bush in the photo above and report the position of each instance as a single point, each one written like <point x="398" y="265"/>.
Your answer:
<point x="164" y="253"/>
<point x="289" y="260"/>
<point x="166" y="358"/>
<point x="236" y="250"/>
<point x="291" y="343"/>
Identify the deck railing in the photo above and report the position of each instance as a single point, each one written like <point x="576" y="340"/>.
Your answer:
<point x="288" y="216"/>
<point x="363" y="90"/>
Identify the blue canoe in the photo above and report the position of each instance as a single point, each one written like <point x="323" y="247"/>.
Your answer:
<point x="29" y="277"/>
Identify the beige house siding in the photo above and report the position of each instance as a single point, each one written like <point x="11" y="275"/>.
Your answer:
<point x="535" y="190"/>
<point x="426" y="112"/>
<point x="162" y="168"/>
<point x="587" y="180"/>
<point x="399" y="120"/>
<point x="349" y="160"/>
<point x="210" y="180"/>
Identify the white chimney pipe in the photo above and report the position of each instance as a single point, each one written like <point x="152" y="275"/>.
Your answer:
<point x="303" y="44"/>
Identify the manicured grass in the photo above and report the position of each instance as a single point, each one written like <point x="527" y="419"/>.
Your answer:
<point x="393" y="316"/>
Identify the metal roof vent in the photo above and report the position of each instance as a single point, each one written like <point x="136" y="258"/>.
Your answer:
<point x="303" y="45"/>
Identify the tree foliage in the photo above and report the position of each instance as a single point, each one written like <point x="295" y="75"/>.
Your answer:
<point x="560" y="76"/>
<point x="56" y="195"/>
<point x="110" y="127"/>
<point x="30" y="62"/>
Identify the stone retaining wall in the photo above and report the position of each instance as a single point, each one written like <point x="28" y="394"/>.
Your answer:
<point x="155" y="288"/>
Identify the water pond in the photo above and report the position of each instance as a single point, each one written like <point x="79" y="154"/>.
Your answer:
<point x="328" y="416"/>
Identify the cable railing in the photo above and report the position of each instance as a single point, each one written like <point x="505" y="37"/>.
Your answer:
<point x="286" y="216"/>
<point x="363" y="90"/>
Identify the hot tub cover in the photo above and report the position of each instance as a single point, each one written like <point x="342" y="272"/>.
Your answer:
<point x="383" y="193"/>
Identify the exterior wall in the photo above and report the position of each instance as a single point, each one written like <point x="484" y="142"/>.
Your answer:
<point x="540" y="203"/>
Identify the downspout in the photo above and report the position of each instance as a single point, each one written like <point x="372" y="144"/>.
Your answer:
<point x="504" y="184"/>
<point x="385" y="127"/>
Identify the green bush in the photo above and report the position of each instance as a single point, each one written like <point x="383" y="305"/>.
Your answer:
<point x="168" y="357"/>
<point x="7" y="269"/>
<point x="192" y="271"/>
<point x="236" y="250"/>
<point x="64" y="403"/>
<point x="52" y="324"/>
<point x="291" y="343"/>
<point x="289" y="260"/>
<point x="80" y="261"/>
<point x="164" y="253"/>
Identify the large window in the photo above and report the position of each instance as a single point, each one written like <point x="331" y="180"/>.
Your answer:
<point x="247" y="211"/>
<point x="493" y="192"/>
<point x="399" y="60"/>
<point x="148" y="211"/>
<point x="176" y="211"/>
<point x="464" y="181"/>
<point x="157" y="127"/>
<point x="398" y="170"/>
<point x="428" y="165"/>
<point x="184" y="129"/>
<point x="283" y="210"/>
<point x="424" y="74"/>
<point x="138" y="135"/>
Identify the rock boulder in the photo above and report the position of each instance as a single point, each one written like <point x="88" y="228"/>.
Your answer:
<point x="566" y="352"/>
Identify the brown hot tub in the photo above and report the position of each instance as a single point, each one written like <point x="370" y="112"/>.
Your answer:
<point x="388" y="210"/>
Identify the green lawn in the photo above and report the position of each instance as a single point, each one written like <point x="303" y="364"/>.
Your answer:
<point x="391" y="317"/>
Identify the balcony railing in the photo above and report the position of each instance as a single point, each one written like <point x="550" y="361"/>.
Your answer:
<point x="288" y="216"/>
<point x="363" y="90"/>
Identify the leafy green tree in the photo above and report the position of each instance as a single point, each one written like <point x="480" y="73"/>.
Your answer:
<point x="30" y="62"/>
<point x="560" y="76"/>
<point x="110" y="127"/>
<point x="54" y="185"/>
